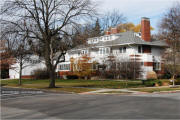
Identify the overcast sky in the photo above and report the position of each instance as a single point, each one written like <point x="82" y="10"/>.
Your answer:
<point x="135" y="9"/>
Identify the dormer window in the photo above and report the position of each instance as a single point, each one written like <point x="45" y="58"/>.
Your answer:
<point x="107" y="37"/>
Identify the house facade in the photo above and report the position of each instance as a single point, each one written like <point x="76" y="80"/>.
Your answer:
<point x="124" y="46"/>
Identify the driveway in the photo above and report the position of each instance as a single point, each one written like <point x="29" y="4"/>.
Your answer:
<point x="44" y="105"/>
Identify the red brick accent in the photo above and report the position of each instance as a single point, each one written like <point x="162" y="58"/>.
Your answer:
<point x="145" y="29"/>
<point x="135" y="59"/>
<point x="27" y="77"/>
<point x="148" y="63"/>
<point x="65" y="73"/>
<point x="135" y="55"/>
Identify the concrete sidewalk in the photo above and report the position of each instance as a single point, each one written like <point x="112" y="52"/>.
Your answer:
<point x="113" y="90"/>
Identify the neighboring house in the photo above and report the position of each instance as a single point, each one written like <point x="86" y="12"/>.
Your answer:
<point x="128" y="45"/>
<point x="30" y="64"/>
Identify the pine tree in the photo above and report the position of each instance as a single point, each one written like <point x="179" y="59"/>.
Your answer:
<point x="96" y="32"/>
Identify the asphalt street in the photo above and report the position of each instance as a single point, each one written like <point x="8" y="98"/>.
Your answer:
<point x="29" y="104"/>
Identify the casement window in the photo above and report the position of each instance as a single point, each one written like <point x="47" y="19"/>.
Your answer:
<point x="115" y="52"/>
<point x="157" y="66"/>
<point x="104" y="50"/>
<point x="122" y="50"/>
<point x="64" y="67"/>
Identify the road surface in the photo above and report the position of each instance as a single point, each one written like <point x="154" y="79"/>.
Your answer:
<point x="27" y="104"/>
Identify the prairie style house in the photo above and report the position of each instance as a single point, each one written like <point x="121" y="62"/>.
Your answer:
<point x="124" y="46"/>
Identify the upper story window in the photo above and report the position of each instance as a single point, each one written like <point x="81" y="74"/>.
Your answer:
<point x="107" y="37"/>
<point x="84" y="52"/>
<point x="122" y="49"/>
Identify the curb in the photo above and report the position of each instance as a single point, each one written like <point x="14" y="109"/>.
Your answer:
<point x="49" y="91"/>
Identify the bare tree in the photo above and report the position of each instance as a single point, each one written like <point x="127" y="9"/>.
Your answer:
<point x="170" y="31"/>
<point x="111" y="19"/>
<point x="49" y="23"/>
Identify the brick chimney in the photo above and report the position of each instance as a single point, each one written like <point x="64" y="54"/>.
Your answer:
<point x="114" y="30"/>
<point x="145" y="29"/>
<point x="107" y="33"/>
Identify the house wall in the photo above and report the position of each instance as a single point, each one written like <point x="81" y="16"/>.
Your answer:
<point x="146" y="58"/>
<point x="27" y="71"/>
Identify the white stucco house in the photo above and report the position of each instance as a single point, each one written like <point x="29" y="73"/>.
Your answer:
<point x="127" y="45"/>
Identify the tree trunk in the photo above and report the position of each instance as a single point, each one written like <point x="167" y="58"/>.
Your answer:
<point x="20" y="74"/>
<point x="52" y="79"/>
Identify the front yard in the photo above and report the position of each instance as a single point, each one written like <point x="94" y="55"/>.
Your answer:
<point x="80" y="86"/>
<point x="76" y="86"/>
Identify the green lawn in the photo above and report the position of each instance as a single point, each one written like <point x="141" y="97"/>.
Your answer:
<point x="74" y="85"/>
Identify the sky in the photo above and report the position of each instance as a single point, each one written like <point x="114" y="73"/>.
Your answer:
<point x="133" y="10"/>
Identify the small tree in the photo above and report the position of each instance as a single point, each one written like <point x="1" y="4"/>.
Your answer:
<point x="83" y="66"/>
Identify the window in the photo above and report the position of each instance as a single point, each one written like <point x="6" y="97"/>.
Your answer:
<point x="157" y="66"/>
<point x="64" y="67"/>
<point x="140" y="50"/>
<point x="104" y="50"/>
<point x="107" y="38"/>
<point x="84" y="52"/>
<point x="110" y="37"/>
<point x="122" y="49"/>
<point x="107" y="50"/>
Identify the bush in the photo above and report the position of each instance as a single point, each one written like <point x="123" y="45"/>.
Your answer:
<point x="151" y="75"/>
<point x="40" y="74"/>
<point x="177" y="82"/>
<point x="152" y="82"/>
<point x="72" y="77"/>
